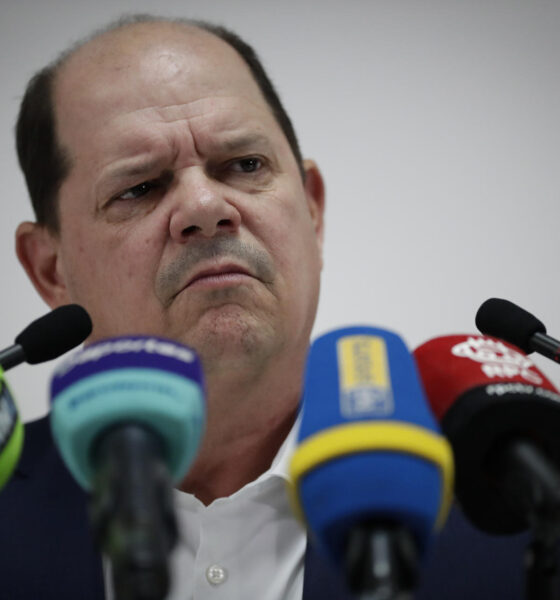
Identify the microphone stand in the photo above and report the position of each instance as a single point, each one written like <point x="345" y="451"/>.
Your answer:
<point x="542" y="570"/>
<point x="132" y="513"/>
<point x="381" y="561"/>
<point x="532" y="487"/>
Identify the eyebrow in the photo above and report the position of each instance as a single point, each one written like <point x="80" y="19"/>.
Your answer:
<point x="131" y="171"/>
<point x="243" y="141"/>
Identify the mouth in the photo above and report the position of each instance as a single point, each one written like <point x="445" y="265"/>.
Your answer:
<point x="219" y="276"/>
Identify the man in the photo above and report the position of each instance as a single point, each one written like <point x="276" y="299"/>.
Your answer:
<point x="184" y="214"/>
<point x="175" y="202"/>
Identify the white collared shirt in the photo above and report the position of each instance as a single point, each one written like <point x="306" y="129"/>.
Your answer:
<point x="245" y="546"/>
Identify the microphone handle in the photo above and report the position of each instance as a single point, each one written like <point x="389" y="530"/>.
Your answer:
<point x="381" y="561"/>
<point x="545" y="345"/>
<point x="11" y="356"/>
<point x="132" y="510"/>
<point x="542" y="577"/>
<point x="531" y="485"/>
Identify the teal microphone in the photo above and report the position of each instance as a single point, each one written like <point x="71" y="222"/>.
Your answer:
<point x="128" y="416"/>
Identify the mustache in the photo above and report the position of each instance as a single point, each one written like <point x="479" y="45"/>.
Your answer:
<point x="172" y="278"/>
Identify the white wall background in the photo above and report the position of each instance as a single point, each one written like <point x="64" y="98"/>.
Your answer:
<point x="436" y="124"/>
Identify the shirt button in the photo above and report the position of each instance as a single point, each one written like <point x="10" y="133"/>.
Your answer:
<point x="216" y="575"/>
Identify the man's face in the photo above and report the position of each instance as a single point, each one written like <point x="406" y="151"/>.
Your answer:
<point x="184" y="213"/>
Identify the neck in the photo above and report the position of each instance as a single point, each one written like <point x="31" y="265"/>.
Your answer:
<point x="247" y="423"/>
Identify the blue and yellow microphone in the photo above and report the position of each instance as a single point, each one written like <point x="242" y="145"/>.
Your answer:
<point x="371" y="468"/>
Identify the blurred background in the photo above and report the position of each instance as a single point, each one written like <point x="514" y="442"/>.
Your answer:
<point x="437" y="128"/>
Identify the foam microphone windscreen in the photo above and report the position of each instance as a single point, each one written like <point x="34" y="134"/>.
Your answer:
<point x="154" y="382"/>
<point x="504" y="319"/>
<point x="368" y="446"/>
<point x="55" y="333"/>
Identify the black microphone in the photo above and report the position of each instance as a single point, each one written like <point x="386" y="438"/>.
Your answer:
<point x="48" y="337"/>
<point x="501" y="415"/>
<point x="504" y="319"/>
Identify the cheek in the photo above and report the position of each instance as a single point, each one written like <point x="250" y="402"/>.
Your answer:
<point x="136" y="260"/>
<point x="296" y="240"/>
<point x="111" y="264"/>
<point x="293" y="244"/>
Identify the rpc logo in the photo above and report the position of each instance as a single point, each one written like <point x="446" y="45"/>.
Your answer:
<point x="498" y="360"/>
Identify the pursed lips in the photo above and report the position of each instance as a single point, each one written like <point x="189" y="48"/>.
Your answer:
<point x="218" y="274"/>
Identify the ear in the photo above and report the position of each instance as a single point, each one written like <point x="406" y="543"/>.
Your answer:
<point x="315" y="193"/>
<point x="38" y="252"/>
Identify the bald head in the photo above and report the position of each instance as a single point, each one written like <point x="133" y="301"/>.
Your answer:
<point x="44" y="159"/>
<point x="126" y="73"/>
<point x="121" y="47"/>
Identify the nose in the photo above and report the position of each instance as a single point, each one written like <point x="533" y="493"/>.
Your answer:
<point x="201" y="207"/>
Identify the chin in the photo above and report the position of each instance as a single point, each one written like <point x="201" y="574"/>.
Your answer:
<point x="233" y="339"/>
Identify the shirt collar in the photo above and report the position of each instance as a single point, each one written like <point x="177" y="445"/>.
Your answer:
<point x="280" y="466"/>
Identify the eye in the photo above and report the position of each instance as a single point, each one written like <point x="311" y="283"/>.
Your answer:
<point x="138" y="191"/>
<point x="250" y="164"/>
<point x="249" y="173"/>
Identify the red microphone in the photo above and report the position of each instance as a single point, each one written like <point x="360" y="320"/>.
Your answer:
<point x="502" y="417"/>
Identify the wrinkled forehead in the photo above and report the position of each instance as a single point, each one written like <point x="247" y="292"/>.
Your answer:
<point x="145" y="64"/>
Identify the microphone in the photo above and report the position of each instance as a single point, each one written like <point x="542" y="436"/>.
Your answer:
<point x="502" y="417"/>
<point x="127" y="417"/>
<point x="48" y="337"/>
<point x="44" y="339"/>
<point x="504" y="319"/>
<point x="371" y="475"/>
<point x="11" y="432"/>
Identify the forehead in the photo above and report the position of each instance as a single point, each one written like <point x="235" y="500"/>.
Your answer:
<point x="144" y="66"/>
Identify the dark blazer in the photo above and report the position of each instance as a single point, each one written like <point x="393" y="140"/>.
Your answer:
<point x="46" y="552"/>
